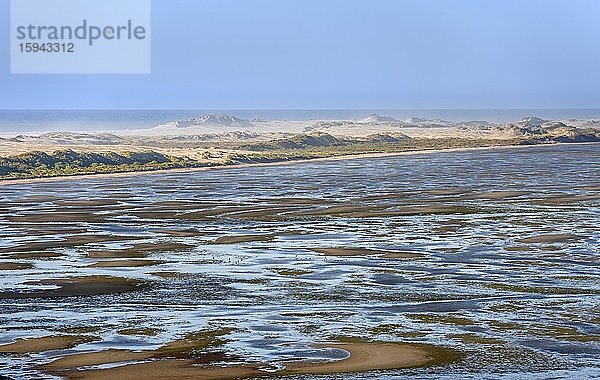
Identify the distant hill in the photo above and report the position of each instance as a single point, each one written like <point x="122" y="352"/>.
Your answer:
<point x="87" y="138"/>
<point x="313" y="139"/>
<point x="530" y="122"/>
<point x="208" y="120"/>
<point x="425" y="122"/>
<point x="321" y="139"/>
<point x="376" y="119"/>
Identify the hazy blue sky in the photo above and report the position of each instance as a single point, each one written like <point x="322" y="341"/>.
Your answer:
<point x="245" y="54"/>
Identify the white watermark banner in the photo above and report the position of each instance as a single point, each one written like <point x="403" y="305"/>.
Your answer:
<point x="80" y="36"/>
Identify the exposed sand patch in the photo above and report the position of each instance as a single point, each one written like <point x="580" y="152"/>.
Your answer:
<point x="297" y="201"/>
<point x="265" y="213"/>
<point x="96" y="358"/>
<point x="15" y="266"/>
<point x="65" y="242"/>
<point x="147" y="214"/>
<point x="446" y="191"/>
<point x="138" y="250"/>
<point x="495" y="195"/>
<point x="80" y="329"/>
<point x="386" y="211"/>
<point x="362" y="356"/>
<point x="88" y="203"/>
<point x="78" y="286"/>
<point x="368" y="252"/>
<point x="46" y="343"/>
<point x="192" y="346"/>
<point x="366" y="356"/>
<point x="243" y="239"/>
<point x="56" y="216"/>
<point x="45" y="229"/>
<point x="180" y="233"/>
<point x="568" y="199"/>
<point x="427" y="210"/>
<point x="339" y="211"/>
<point x="387" y="196"/>
<point x="169" y="369"/>
<point x="290" y="271"/>
<point x="125" y="263"/>
<point x="447" y="319"/>
<point x="34" y="255"/>
<point x="186" y="204"/>
<point x="518" y="248"/>
<point x="145" y="331"/>
<point x="552" y="238"/>
<point x="216" y="212"/>
<point x="117" y="254"/>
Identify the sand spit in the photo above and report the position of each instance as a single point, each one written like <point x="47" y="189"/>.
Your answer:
<point x="292" y="162"/>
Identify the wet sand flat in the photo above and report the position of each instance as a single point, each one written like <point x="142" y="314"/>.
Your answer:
<point x="473" y="258"/>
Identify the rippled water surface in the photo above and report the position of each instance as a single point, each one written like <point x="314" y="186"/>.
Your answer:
<point x="502" y="258"/>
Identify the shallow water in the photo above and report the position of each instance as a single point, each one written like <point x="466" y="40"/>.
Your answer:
<point x="509" y="272"/>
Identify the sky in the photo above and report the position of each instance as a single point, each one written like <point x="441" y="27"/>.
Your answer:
<point x="346" y="54"/>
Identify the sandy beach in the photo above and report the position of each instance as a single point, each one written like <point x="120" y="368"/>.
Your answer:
<point x="277" y="163"/>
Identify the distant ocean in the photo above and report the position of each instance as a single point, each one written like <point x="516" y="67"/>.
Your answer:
<point x="35" y="121"/>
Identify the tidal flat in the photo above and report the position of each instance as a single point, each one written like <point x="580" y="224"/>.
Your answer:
<point x="450" y="265"/>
